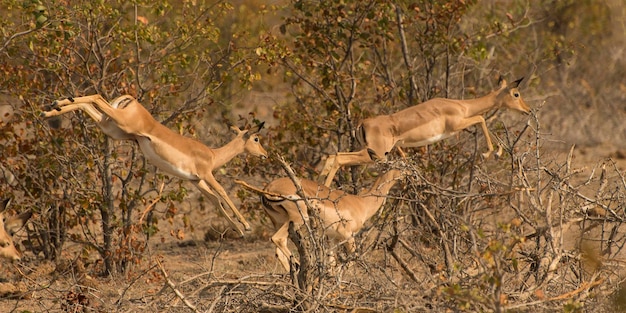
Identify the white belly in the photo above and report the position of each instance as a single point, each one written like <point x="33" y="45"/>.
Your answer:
<point x="408" y="143"/>
<point x="176" y="166"/>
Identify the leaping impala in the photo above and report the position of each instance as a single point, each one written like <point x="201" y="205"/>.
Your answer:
<point x="9" y="225"/>
<point x="343" y="214"/>
<point x="126" y="119"/>
<point x="423" y="124"/>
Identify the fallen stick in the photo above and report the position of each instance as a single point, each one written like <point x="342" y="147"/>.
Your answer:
<point x="584" y="286"/>
<point x="179" y="294"/>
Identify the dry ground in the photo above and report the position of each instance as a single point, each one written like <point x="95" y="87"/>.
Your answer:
<point x="233" y="274"/>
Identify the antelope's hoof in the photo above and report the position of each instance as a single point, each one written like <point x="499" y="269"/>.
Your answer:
<point x="55" y="105"/>
<point x="71" y="99"/>
<point x="499" y="152"/>
<point x="240" y="233"/>
<point x="295" y="265"/>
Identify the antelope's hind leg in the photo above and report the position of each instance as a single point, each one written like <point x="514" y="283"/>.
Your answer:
<point x="69" y="104"/>
<point x="86" y="107"/>
<point x="335" y="162"/>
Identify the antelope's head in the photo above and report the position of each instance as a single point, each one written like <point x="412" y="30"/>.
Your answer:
<point x="252" y="140"/>
<point x="511" y="97"/>
<point x="9" y="225"/>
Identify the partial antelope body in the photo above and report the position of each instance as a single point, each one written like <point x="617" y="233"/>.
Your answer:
<point x="343" y="214"/>
<point x="126" y="119"/>
<point x="9" y="225"/>
<point x="423" y="124"/>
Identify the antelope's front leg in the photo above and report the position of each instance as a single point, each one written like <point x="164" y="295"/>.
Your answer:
<point x="282" y="251"/>
<point x="202" y="185"/>
<point x="224" y="196"/>
<point x="465" y="123"/>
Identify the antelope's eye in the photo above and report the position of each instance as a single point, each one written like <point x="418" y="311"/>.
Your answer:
<point x="516" y="95"/>
<point x="256" y="139"/>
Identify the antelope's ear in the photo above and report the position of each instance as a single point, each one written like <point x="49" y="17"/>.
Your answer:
<point x="231" y="125"/>
<point x="501" y="83"/>
<point x="4" y="204"/>
<point x="14" y="223"/>
<point x="517" y="82"/>
<point x="257" y="128"/>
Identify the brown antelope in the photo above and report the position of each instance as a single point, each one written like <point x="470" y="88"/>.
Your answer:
<point x="126" y="119"/>
<point x="9" y="225"/>
<point x="343" y="214"/>
<point x="423" y="124"/>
